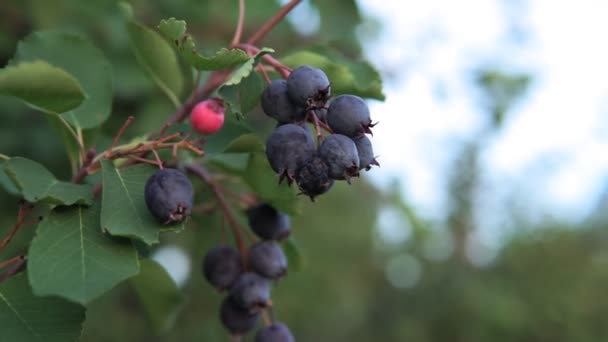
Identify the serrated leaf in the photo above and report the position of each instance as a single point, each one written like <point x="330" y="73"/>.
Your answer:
<point x="160" y="297"/>
<point x="78" y="56"/>
<point x="71" y="257"/>
<point x="247" y="68"/>
<point x="158" y="59"/>
<point x="123" y="210"/>
<point x="36" y="183"/>
<point x="346" y="76"/>
<point x="242" y="97"/>
<point x="26" y="317"/>
<point x="295" y="260"/>
<point x="175" y="31"/>
<point x="42" y="85"/>
<point x="265" y="183"/>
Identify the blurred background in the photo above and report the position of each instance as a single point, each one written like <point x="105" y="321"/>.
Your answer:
<point x="487" y="218"/>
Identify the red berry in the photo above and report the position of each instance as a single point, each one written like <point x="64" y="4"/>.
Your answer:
<point x="207" y="117"/>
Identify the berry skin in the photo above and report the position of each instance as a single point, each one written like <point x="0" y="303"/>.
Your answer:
<point x="340" y="154"/>
<point x="237" y="320"/>
<point x="207" y="116"/>
<point x="169" y="195"/>
<point x="366" y="153"/>
<point x="349" y="115"/>
<point x="308" y="87"/>
<point x="221" y="266"/>
<point x="313" y="178"/>
<point x="267" y="259"/>
<point x="251" y="292"/>
<point x="268" y="223"/>
<point x="287" y="148"/>
<point x="277" y="105"/>
<point x="276" y="332"/>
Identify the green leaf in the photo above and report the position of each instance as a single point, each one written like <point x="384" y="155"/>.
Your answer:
<point x="41" y="85"/>
<point x="175" y="31"/>
<point x="158" y="294"/>
<point x="73" y="258"/>
<point x="346" y="76"/>
<point x="158" y="59"/>
<point x="26" y="317"/>
<point x="218" y="142"/>
<point x="242" y="97"/>
<point x="295" y="259"/>
<point x="265" y="183"/>
<point x="5" y="182"/>
<point x="36" y="183"/>
<point x="78" y="56"/>
<point x="247" y="68"/>
<point x="123" y="210"/>
<point x="246" y="143"/>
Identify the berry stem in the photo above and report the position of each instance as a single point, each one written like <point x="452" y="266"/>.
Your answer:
<point x="266" y="318"/>
<point x="3" y="264"/>
<point x="18" y="266"/>
<point x="120" y="133"/>
<point x="203" y="174"/>
<point x="272" y="22"/>
<point x="239" y="26"/>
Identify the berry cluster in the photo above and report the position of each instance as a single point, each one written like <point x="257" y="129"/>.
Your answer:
<point x="248" y="278"/>
<point x="304" y="97"/>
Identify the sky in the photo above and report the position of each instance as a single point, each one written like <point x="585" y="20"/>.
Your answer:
<point x="552" y="151"/>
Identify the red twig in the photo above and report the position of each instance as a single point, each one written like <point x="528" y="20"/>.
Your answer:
<point x="272" y="22"/>
<point x="3" y="264"/>
<point x="24" y="210"/>
<point x="239" y="26"/>
<point x="120" y="132"/>
<point x="18" y="266"/>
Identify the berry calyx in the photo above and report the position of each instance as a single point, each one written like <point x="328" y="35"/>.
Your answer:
<point x="207" y="117"/>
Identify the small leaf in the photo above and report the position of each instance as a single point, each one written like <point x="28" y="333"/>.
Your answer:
<point x="124" y="211"/>
<point x="175" y="31"/>
<point x="5" y="182"/>
<point x="71" y="257"/>
<point x="36" y="183"/>
<point x="345" y="75"/>
<point x="26" y="317"/>
<point x="158" y="294"/>
<point x="265" y="183"/>
<point x="42" y="85"/>
<point x="87" y="63"/>
<point x="295" y="260"/>
<point x="158" y="58"/>
<point x="247" y="68"/>
<point x="242" y="97"/>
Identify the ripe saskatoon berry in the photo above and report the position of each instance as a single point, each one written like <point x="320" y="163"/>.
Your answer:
<point x="308" y="87"/>
<point x="251" y="291"/>
<point x="340" y="154"/>
<point x="287" y="148"/>
<point x="237" y="320"/>
<point x="276" y="332"/>
<point x="267" y="259"/>
<point x="221" y="266"/>
<point x="277" y="105"/>
<point x="313" y="178"/>
<point x="366" y="153"/>
<point x="169" y="195"/>
<point x="349" y="115"/>
<point x="207" y="116"/>
<point x="268" y="223"/>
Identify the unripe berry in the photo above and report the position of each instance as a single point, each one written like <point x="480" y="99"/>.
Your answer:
<point x="207" y="117"/>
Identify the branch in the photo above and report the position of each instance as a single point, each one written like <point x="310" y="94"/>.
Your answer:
<point x="24" y="210"/>
<point x="272" y="22"/>
<point x="202" y="173"/>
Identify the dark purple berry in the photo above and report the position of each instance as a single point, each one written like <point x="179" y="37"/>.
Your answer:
<point x="277" y="105"/>
<point x="366" y="153"/>
<point x="313" y="178"/>
<point x="221" y="266"/>
<point x="340" y="154"/>
<point x="276" y="332"/>
<point x="321" y="114"/>
<point x="237" y="320"/>
<point x="268" y="223"/>
<point x="267" y="259"/>
<point x="251" y="291"/>
<point x="287" y="148"/>
<point x="349" y="115"/>
<point x="169" y="195"/>
<point x="308" y="87"/>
